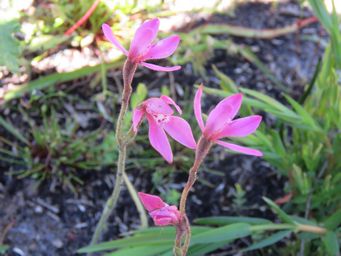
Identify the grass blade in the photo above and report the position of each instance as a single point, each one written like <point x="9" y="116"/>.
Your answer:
<point x="11" y="129"/>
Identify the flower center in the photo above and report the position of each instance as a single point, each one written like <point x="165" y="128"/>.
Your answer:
<point x="161" y="118"/>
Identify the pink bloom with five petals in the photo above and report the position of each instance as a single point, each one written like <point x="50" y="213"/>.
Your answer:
<point x="162" y="213"/>
<point x="160" y="118"/>
<point x="142" y="47"/>
<point x="219" y="123"/>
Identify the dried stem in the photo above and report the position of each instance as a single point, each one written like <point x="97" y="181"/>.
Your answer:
<point x="122" y="141"/>
<point x="85" y="17"/>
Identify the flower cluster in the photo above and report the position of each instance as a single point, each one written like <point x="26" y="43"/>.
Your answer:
<point x="162" y="121"/>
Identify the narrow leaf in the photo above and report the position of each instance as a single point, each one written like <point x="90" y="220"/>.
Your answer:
<point x="142" y="250"/>
<point x="268" y="241"/>
<point x="225" y="220"/>
<point x="11" y="129"/>
<point x="334" y="220"/>
<point x="202" y="249"/>
<point x="225" y="233"/>
<point x="51" y="80"/>
<point x="331" y="243"/>
<point x="3" y="248"/>
<point x="281" y="214"/>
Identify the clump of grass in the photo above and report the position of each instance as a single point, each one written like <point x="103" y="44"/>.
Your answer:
<point x="57" y="152"/>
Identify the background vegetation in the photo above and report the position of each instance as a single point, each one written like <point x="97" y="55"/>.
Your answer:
<point x="57" y="119"/>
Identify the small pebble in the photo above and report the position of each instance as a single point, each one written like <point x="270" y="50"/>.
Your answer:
<point x="81" y="208"/>
<point x="57" y="243"/>
<point x="38" y="209"/>
<point x="18" y="251"/>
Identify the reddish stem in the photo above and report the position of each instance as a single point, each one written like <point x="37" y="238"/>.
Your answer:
<point x="83" y="19"/>
<point x="305" y="22"/>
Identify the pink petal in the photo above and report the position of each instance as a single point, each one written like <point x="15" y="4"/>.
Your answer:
<point x="158" y="106"/>
<point x="110" y="37"/>
<point x="223" y="113"/>
<point x="160" y="68"/>
<point x="163" y="49"/>
<point x="151" y="202"/>
<point x="170" y="101"/>
<point x="168" y="215"/>
<point x="137" y="116"/>
<point x="163" y="221"/>
<point x="197" y="107"/>
<point x="241" y="149"/>
<point x="143" y="38"/>
<point x="241" y="127"/>
<point x="159" y="141"/>
<point x="180" y="131"/>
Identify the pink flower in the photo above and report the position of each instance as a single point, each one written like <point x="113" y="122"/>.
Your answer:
<point x="219" y="123"/>
<point x="161" y="120"/>
<point x="162" y="213"/>
<point x="142" y="47"/>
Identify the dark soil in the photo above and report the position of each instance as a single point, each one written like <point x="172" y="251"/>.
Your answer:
<point x="50" y="220"/>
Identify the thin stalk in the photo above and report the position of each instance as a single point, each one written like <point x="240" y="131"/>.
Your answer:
<point x="202" y="149"/>
<point x="137" y="202"/>
<point x="312" y="229"/>
<point x="112" y="200"/>
<point x="187" y="237"/>
<point x="184" y="229"/>
<point x="84" y="18"/>
<point x="122" y="142"/>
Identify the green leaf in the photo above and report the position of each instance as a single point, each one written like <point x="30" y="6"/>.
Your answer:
<point x="334" y="220"/>
<point x="144" y="237"/>
<point x="225" y="233"/>
<point x="165" y="90"/>
<point x="268" y="100"/>
<point x="45" y="42"/>
<point x="331" y="243"/>
<point x="9" y="46"/>
<point x="11" y="129"/>
<point x="142" y="250"/>
<point x="3" y="248"/>
<point x="331" y="24"/>
<point x="306" y="117"/>
<point x="225" y="220"/>
<point x="226" y="83"/>
<point x="139" y="95"/>
<point x="202" y="249"/>
<point x="55" y="78"/>
<point x="281" y="214"/>
<point x="268" y="241"/>
<point x="147" y="239"/>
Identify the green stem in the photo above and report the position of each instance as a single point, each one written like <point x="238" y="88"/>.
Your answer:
<point x="138" y="204"/>
<point x="112" y="200"/>
<point x="128" y="74"/>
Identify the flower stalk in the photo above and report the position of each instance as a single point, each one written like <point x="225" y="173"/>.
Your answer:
<point x="219" y="124"/>
<point x="184" y="231"/>
<point x="122" y="142"/>
<point x="142" y="48"/>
